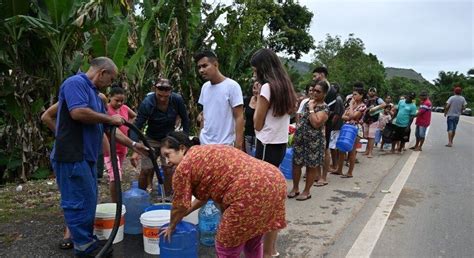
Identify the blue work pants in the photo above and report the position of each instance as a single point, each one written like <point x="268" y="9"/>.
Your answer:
<point x="77" y="183"/>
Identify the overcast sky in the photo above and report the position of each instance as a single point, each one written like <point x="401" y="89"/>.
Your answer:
<point x="426" y="35"/>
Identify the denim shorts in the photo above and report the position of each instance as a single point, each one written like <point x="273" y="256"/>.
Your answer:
<point x="420" y="132"/>
<point x="452" y="123"/>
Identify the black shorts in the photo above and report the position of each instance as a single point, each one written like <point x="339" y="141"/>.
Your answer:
<point x="402" y="134"/>
<point x="271" y="153"/>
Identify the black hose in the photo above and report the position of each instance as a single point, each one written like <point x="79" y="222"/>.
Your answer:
<point x="117" y="182"/>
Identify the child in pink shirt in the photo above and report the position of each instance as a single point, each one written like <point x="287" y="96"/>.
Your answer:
<point x="116" y="106"/>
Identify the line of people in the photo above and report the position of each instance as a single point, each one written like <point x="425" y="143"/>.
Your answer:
<point x="219" y="169"/>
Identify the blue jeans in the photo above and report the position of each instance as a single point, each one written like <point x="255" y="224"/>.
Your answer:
<point x="420" y="132"/>
<point x="78" y="186"/>
<point x="452" y="123"/>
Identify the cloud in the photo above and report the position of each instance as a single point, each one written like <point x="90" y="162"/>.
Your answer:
<point x="427" y="36"/>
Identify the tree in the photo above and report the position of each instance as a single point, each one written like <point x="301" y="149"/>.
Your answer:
<point x="348" y="63"/>
<point x="291" y="22"/>
<point x="445" y="84"/>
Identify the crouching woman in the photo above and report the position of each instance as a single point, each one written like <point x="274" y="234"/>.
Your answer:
<point x="250" y="193"/>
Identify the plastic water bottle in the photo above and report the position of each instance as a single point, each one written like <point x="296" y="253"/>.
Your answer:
<point x="136" y="201"/>
<point x="209" y="218"/>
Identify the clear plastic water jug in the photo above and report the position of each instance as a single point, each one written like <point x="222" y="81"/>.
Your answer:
<point x="136" y="201"/>
<point x="347" y="137"/>
<point x="209" y="218"/>
<point x="184" y="242"/>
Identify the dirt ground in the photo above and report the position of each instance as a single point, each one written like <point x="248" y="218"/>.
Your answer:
<point x="31" y="221"/>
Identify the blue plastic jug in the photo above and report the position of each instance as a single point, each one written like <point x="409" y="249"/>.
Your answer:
<point x="347" y="137"/>
<point x="209" y="218"/>
<point x="136" y="201"/>
<point x="184" y="242"/>
<point x="286" y="166"/>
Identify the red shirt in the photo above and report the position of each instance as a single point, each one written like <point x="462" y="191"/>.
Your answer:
<point x="423" y="117"/>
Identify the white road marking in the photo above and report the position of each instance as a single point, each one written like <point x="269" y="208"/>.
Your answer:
<point x="367" y="239"/>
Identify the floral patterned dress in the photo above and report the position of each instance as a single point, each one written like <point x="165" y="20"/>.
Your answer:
<point x="309" y="142"/>
<point x="251" y="192"/>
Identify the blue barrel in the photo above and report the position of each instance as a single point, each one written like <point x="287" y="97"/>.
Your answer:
<point x="347" y="137"/>
<point x="184" y="242"/>
<point x="286" y="166"/>
<point x="209" y="218"/>
<point x="136" y="201"/>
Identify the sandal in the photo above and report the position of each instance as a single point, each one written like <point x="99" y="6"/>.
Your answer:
<point x="303" y="198"/>
<point x="346" y="176"/>
<point x="66" y="243"/>
<point x="293" y="195"/>
<point x="318" y="184"/>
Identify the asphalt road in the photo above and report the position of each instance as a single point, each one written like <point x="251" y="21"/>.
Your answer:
<point x="434" y="213"/>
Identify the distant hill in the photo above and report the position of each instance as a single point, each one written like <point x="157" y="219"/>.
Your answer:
<point x="300" y="66"/>
<point x="391" y="72"/>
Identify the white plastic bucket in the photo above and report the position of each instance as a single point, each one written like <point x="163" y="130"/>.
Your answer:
<point x="152" y="221"/>
<point x="104" y="221"/>
<point x="362" y="146"/>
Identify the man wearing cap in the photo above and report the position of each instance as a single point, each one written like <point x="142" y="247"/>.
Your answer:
<point x="375" y="106"/>
<point x="406" y="111"/>
<point x="454" y="107"/>
<point x="159" y="112"/>
<point x="423" y="120"/>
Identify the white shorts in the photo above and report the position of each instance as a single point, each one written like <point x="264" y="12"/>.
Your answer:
<point x="333" y="139"/>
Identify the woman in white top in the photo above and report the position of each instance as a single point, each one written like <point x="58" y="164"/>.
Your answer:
<point x="276" y="101"/>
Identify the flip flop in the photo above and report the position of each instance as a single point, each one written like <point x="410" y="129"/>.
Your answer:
<point x="346" y="176"/>
<point x="304" y="198"/>
<point x="412" y="148"/>
<point x="448" y="145"/>
<point x="66" y="243"/>
<point x="291" y="196"/>
<point x="317" y="184"/>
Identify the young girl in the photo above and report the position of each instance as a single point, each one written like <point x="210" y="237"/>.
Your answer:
<point x="353" y="115"/>
<point x="275" y="103"/>
<point x="384" y="118"/>
<point x="117" y="106"/>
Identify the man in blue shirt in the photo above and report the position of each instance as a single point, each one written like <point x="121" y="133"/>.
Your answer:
<point x="79" y="130"/>
<point x="159" y="111"/>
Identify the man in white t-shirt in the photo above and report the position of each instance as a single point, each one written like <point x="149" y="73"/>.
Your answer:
<point x="222" y="118"/>
<point x="453" y="110"/>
